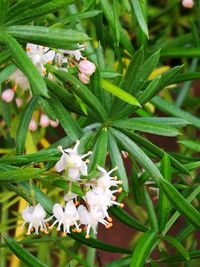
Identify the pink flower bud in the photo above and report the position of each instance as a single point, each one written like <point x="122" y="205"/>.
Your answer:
<point x="44" y="120"/>
<point x="32" y="125"/>
<point x="18" y="102"/>
<point x="83" y="78"/>
<point x="8" y="95"/>
<point x="188" y="3"/>
<point x="86" y="67"/>
<point x="54" y="124"/>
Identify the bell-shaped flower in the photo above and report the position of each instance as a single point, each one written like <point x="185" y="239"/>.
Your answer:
<point x="75" y="53"/>
<point x="35" y="216"/>
<point x="44" y="120"/>
<point x="102" y="200"/>
<point x="106" y="181"/>
<point x="32" y="125"/>
<point x="72" y="162"/>
<point x="67" y="217"/>
<point x="83" y="78"/>
<point x="86" y="67"/>
<point x="40" y="56"/>
<point x="91" y="219"/>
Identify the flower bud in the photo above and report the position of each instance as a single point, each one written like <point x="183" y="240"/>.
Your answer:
<point x="86" y="67"/>
<point x="188" y="3"/>
<point x="18" y="102"/>
<point x="44" y="121"/>
<point x="32" y="125"/>
<point x="83" y="78"/>
<point x="54" y="124"/>
<point x="8" y="95"/>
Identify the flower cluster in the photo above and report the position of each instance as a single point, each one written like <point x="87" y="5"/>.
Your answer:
<point x="44" y="121"/>
<point x="41" y="56"/>
<point x="98" y="198"/>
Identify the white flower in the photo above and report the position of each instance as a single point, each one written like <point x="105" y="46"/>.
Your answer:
<point x="60" y="58"/>
<point x="91" y="219"/>
<point x="106" y="181"/>
<point x="20" y="80"/>
<point x="70" y="196"/>
<point x="72" y="162"/>
<point x="40" y="56"/>
<point x="102" y="200"/>
<point x="67" y="218"/>
<point x="76" y="53"/>
<point x="35" y="216"/>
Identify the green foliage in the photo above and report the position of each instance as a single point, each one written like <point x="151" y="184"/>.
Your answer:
<point x="136" y="91"/>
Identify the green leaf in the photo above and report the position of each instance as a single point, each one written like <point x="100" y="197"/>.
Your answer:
<point x="19" y="175"/>
<point x="175" y="216"/>
<point x="153" y="88"/>
<point x="157" y="151"/>
<point x="109" y="15"/>
<point x="171" y="109"/>
<point x="20" y="7"/>
<point x="41" y="156"/>
<point x="180" y="52"/>
<point x="117" y="160"/>
<point x="180" y="203"/>
<point x="99" y="151"/>
<point x="51" y="37"/>
<point x="67" y="99"/>
<point x="6" y="72"/>
<point x="115" y="90"/>
<point x="25" y="256"/>
<point x="144" y="126"/>
<point x="195" y="254"/>
<point x="117" y="22"/>
<point x="151" y="212"/>
<point x="4" y="4"/>
<point x="128" y="83"/>
<point x="166" y="121"/>
<point x="175" y="243"/>
<point x="70" y="125"/>
<point x="140" y="17"/>
<point x="78" y="16"/>
<point x="84" y="93"/>
<point x="186" y="77"/>
<point x="122" y="262"/>
<point x="24" y="124"/>
<point x="88" y="4"/>
<point x="74" y="255"/>
<point x="94" y="243"/>
<point x="193" y="145"/>
<point x="127" y="219"/>
<point x="137" y="154"/>
<point x="163" y="203"/>
<point x="38" y="85"/>
<point x="4" y="56"/>
<point x="36" y="13"/>
<point x="150" y="91"/>
<point x="144" y="246"/>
